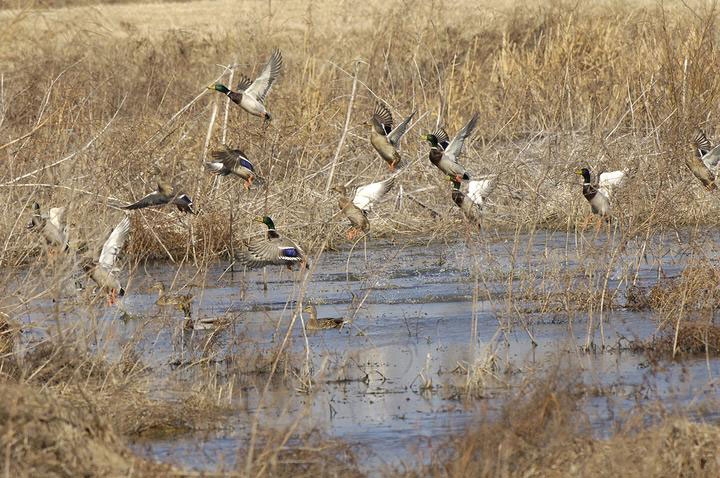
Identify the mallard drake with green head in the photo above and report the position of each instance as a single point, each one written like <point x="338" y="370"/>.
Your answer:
<point x="356" y="209"/>
<point x="444" y="154"/>
<point x="104" y="269"/>
<point x="598" y="195"/>
<point x="704" y="162"/>
<point x="313" y="323"/>
<point x="251" y="95"/>
<point x="169" y="299"/>
<point x="384" y="138"/>
<point x="272" y="249"/>
<point x="164" y="194"/>
<point x="51" y="225"/>
<point x="232" y="161"/>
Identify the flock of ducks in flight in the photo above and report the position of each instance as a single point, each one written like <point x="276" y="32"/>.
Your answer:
<point x="273" y="249"/>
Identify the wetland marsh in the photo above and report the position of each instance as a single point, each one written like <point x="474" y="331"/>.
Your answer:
<point x="525" y="337"/>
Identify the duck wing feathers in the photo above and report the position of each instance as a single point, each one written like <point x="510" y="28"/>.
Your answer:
<point x="366" y="195"/>
<point x="114" y="244"/>
<point x="263" y="83"/>
<point x="455" y="147"/>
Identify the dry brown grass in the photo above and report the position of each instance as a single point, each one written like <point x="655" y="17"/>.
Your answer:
<point x="696" y="289"/>
<point x="66" y="412"/>
<point x="44" y="435"/>
<point x="93" y="100"/>
<point x="557" y="86"/>
<point x="543" y="433"/>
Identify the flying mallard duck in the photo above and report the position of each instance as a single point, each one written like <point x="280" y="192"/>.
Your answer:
<point x="51" y="225"/>
<point x="384" y="138"/>
<point x="169" y="299"/>
<point x="165" y="194"/>
<point x="704" y="163"/>
<point x="251" y="95"/>
<point x="444" y="153"/>
<point x="103" y="271"/>
<point x="481" y="189"/>
<point x="232" y="161"/>
<point x="599" y="195"/>
<point x="471" y="203"/>
<point x="271" y="249"/>
<point x="319" y="324"/>
<point x="357" y="209"/>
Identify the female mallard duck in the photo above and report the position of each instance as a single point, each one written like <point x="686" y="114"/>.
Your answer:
<point x="251" y="95"/>
<point x="704" y="163"/>
<point x="313" y="323"/>
<point x="272" y="249"/>
<point x="167" y="299"/>
<point x="51" y="225"/>
<point x="200" y="323"/>
<point x="384" y="138"/>
<point x="471" y="203"/>
<point x="165" y="194"/>
<point x="103" y="271"/>
<point x="444" y="154"/>
<point x="599" y="195"/>
<point x="232" y="161"/>
<point x="356" y="209"/>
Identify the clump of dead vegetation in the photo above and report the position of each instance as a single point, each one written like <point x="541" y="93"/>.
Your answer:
<point x="697" y="289"/>
<point x="543" y="432"/>
<point x="44" y="434"/>
<point x="286" y="452"/>
<point x="681" y="338"/>
<point x="686" y="305"/>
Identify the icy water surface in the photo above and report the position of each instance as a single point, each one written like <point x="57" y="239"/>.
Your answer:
<point x="416" y="318"/>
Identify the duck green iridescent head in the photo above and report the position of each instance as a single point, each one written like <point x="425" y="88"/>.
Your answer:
<point x="266" y="220"/>
<point x="219" y="87"/>
<point x="585" y="173"/>
<point x="432" y="139"/>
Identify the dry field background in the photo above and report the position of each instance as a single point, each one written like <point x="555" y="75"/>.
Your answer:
<point x="557" y="86"/>
<point x="97" y="97"/>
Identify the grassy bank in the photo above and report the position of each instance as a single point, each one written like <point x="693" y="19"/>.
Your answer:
<point x="90" y="113"/>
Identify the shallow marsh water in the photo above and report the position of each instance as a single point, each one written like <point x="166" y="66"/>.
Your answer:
<point x="417" y="317"/>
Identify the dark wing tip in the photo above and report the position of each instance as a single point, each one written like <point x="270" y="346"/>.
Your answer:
<point x="383" y="116"/>
<point x="442" y="137"/>
<point x="243" y="82"/>
<point x="701" y="141"/>
<point x="277" y="62"/>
